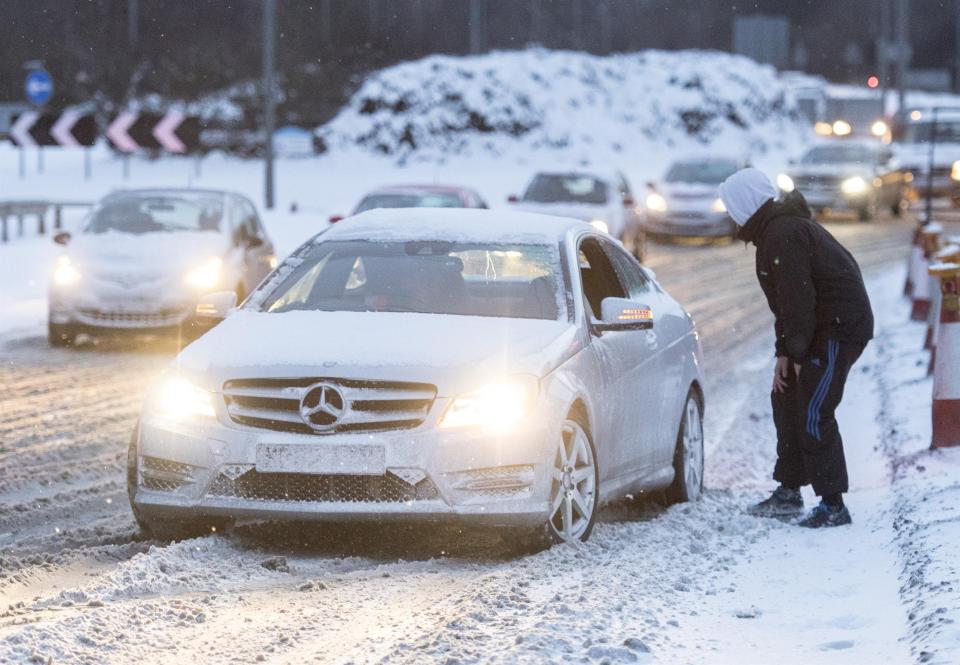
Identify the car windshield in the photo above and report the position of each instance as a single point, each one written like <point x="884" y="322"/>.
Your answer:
<point x="566" y="189"/>
<point x="947" y="132"/>
<point x="708" y="173"/>
<point x="410" y="200"/>
<point x="435" y="277"/>
<point x="841" y="154"/>
<point x="147" y="213"/>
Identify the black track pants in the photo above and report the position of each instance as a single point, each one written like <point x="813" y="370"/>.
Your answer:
<point x="809" y="446"/>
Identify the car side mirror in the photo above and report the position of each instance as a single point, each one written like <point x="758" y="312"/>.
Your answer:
<point x="652" y="185"/>
<point x="215" y="307"/>
<point x="62" y="238"/>
<point x="335" y="218"/>
<point x="617" y="314"/>
<point x="628" y="202"/>
<point x="513" y="198"/>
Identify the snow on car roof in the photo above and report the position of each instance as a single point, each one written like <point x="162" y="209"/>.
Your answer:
<point x="453" y="224"/>
<point x="421" y="188"/>
<point x="170" y="190"/>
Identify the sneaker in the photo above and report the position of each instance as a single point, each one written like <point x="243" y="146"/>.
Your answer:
<point x="783" y="503"/>
<point x="824" y="516"/>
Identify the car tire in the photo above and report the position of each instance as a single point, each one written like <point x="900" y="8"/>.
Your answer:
<point x="60" y="335"/>
<point x="161" y="529"/>
<point x="575" y="437"/>
<point x="688" y="455"/>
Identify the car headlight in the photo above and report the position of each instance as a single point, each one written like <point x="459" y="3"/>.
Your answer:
<point x="841" y="128"/>
<point x="854" y="185"/>
<point x="178" y="399"/>
<point x="955" y="171"/>
<point x="600" y="225"/>
<point x="785" y="182"/>
<point x="206" y="275"/>
<point x="656" y="202"/>
<point x="879" y="129"/>
<point x="498" y="406"/>
<point x="65" y="273"/>
<point x="717" y="205"/>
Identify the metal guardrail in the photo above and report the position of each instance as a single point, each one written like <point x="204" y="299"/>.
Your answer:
<point x="21" y="210"/>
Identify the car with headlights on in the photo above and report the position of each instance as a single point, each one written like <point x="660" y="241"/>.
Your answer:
<point x="685" y="202"/>
<point x="142" y="258"/>
<point x="478" y="367"/>
<point x="849" y="176"/>
<point x="417" y="196"/>
<point x="605" y="200"/>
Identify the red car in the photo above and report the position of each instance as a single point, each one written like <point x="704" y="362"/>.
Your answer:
<point x="418" y="196"/>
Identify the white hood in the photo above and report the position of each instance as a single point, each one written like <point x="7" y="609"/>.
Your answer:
<point x="124" y="271"/>
<point x="744" y="192"/>
<point x="147" y="253"/>
<point x="453" y="352"/>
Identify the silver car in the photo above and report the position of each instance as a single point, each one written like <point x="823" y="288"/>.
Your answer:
<point x="686" y="203"/>
<point x="483" y="367"/>
<point x="853" y="176"/>
<point x="143" y="257"/>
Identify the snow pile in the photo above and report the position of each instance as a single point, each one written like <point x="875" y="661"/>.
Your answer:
<point x="560" y="101"/>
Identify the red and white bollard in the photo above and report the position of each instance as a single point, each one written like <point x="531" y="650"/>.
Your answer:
<point x="920" y="279"/>
<point x="946" y="373"/>
<point x="949" y="254"/>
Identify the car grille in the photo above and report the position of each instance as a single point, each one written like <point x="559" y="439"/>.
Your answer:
<point x="817" y="181"/>
<point x="161" y="475"/>
<point x="367" y="405"/>
<point x="303" y="487"/>
<point x="170" y="316"/>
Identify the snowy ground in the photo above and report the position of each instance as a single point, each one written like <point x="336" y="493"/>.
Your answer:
<point x="698" y="583"/>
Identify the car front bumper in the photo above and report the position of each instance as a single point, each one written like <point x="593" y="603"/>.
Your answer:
<point x="186" y="470"/>
<point x="87" y="313"/>
<point x="689" y="224"/>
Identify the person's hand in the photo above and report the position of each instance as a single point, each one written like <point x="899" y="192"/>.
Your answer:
<point x="780" y="371"/>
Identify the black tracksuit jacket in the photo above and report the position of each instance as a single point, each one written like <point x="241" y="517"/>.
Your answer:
<point x="812" y="283"/>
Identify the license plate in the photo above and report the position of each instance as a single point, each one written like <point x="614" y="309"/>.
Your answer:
<point x="366" y="460"/>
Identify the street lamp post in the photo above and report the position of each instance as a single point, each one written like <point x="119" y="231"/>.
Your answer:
<point x="269" y="16"/>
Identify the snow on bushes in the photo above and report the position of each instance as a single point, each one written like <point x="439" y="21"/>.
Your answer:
<point x="591" y="106"/>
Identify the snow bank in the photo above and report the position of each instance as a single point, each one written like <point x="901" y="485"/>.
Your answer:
<point x="580" y="105"/>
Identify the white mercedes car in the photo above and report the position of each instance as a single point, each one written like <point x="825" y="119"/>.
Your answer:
<point x="483" y="367"/>
<point x="143" y="258"/>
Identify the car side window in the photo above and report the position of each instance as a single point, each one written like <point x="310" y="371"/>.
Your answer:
<point x="598" y="277"/>
<point x="251" y="223"/>
<point x="635" y="282"/>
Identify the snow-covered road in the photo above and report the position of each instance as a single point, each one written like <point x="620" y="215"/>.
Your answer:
<point x="700" y="583"/>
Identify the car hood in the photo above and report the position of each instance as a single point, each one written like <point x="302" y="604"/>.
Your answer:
<point x="455" y="353"/>
<point x="148" y="253"/>
<point x="692" y="195"/>
<point x="834" y="169"/>
<point x="916" y="156"/>
<point x="583" y="211"/>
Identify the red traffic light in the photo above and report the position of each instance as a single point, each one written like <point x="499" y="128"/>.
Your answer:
<point x="873" y="82"/>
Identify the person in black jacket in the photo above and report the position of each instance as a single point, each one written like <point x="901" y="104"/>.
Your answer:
<point x="823" y="322"/>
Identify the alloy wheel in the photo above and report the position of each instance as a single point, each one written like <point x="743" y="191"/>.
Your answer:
<point x="574" y="492"/>
<point x="693" y="449"/>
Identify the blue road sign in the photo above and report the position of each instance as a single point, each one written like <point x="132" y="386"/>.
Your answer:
<point x="39" y="87"/>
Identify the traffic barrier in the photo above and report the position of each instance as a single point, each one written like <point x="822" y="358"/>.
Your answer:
<point x="913" y="260"/>
<point x="946" y="373"/>
<point x="930" y="243"/>
<point x="950" y="253"/>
